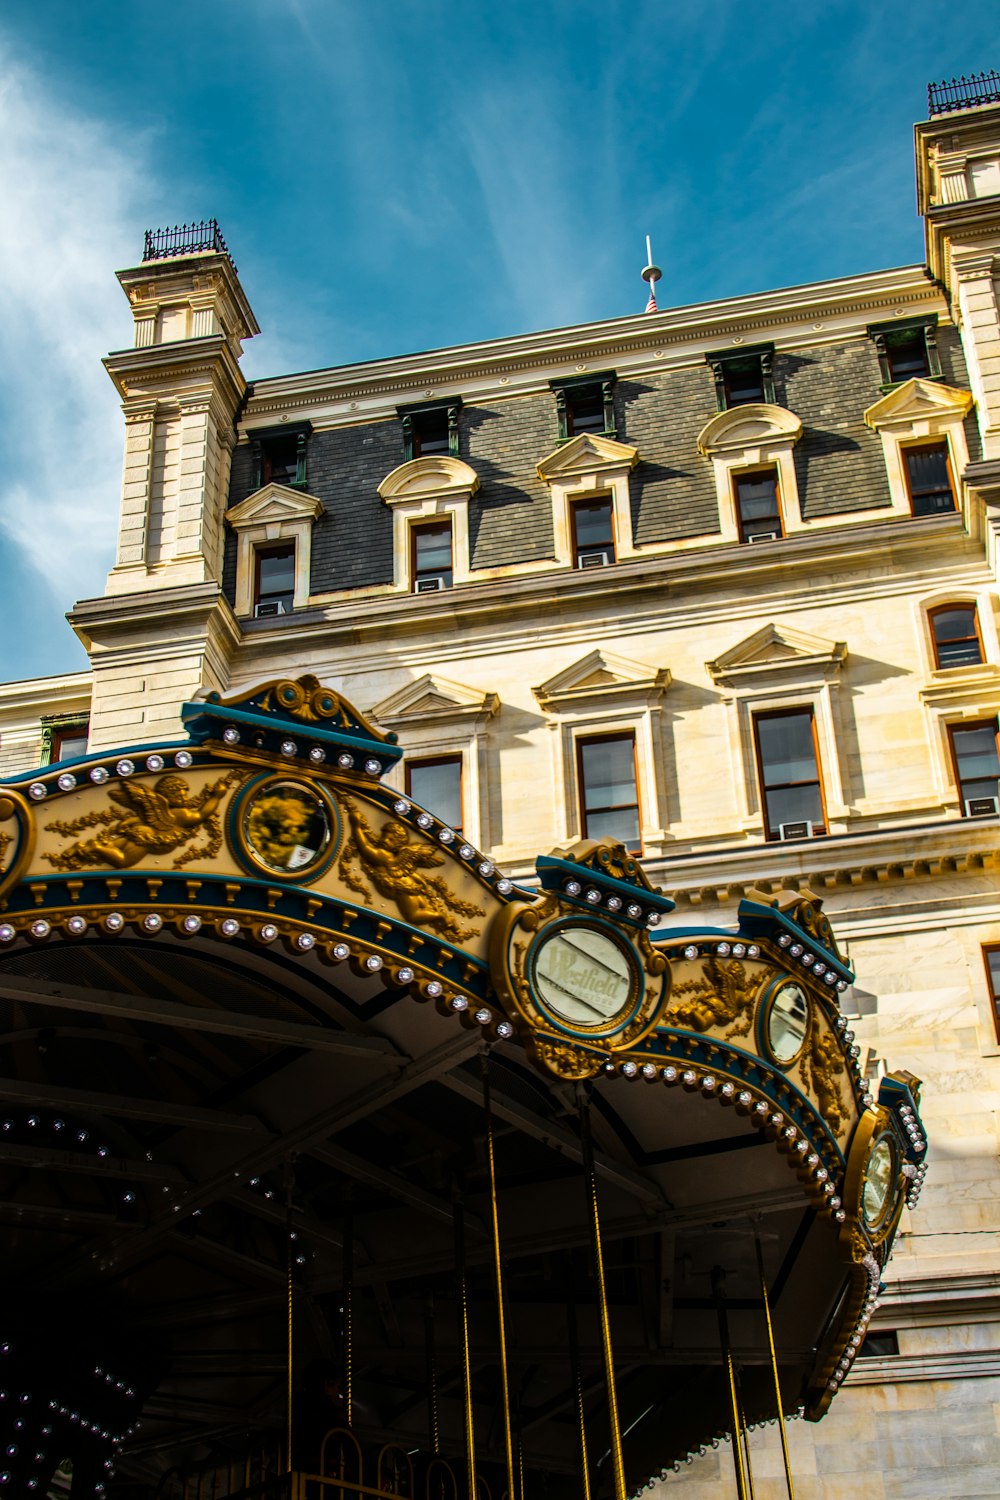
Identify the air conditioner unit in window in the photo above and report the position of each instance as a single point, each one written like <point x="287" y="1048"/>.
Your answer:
<point x="592" y="560"/>
<point x="981" y="807"/>
<point x="802" y="830"/>
<point x="270" y="607"/>
<point x="764" y="536"/>
<point x="430" y="585"/>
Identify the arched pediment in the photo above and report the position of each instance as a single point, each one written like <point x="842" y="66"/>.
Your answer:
<point x="748" y="426"/>
<point x="430" y="477"/>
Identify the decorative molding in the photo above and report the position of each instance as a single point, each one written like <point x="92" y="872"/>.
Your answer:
<point x="918" y="401"/>
<point x="275" y="513"/>
<point x="586" y="467"/>
<point x="434" y="698"/>
<point x="601" y="676"/>
<point x="776" y="650"/>
<point x="436" y="477"/>
<point x="423" y="489"/>
<point x="753" y="426"/>
<point x="587" y="453"/>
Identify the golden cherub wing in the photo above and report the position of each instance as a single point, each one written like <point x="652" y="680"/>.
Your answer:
<point x="149" y="805"/>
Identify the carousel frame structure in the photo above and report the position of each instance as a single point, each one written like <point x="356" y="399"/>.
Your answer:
<point x="292" y="1073"/>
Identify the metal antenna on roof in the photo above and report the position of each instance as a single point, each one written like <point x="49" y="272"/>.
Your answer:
<point x="651" y="274"/>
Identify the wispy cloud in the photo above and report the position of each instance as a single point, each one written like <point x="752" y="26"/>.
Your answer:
<point x="75" y="197"/>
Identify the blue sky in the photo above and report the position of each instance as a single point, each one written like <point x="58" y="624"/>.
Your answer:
<point x="394" y="175"/>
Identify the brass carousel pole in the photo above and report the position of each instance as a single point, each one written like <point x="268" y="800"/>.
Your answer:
<point x="430" y="1347"/>
<point x="774" y="1368"/>
<point x="463" y="1306"/>
<point x="574" y="1350"/>
<point x="348" y="1324"/>
<point x="498" y="1274"/>
<point x="617" y="1457"/>
<point x="745" y="1437"/>
<point x="718" y="1288"/>
<point x="289" y="1293"/>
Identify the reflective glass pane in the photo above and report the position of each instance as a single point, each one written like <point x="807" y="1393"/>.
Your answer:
<point x="976" y="752"/>
<point x="277" y="572"/>
<point x="955" y="638"/>
<point x="993" y="964"/>
<point x="592" y="525"/>
<point x="608" y="772"/>
<point x="786" y="748"/>
<point x="437" y="785"/>
<point x="622" y="823"/>
<point x="786" y="1022"/>
<point x="793" y="804"/>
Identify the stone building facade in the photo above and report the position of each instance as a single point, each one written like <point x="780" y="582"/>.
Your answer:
<point x="721" y="580"/>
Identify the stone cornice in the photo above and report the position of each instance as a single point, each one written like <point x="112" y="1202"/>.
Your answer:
<point x="875" y="857"/>
<point x="793" y="315"/>
<point x="38" y="695"/>
<point x="136" y="372"/>
<point x="147" y="622"/>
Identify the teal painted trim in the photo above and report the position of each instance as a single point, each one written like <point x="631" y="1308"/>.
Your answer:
<point x="133" y="892"/>
<point x="201" y="718"/>
<point x="101" y="757"/>
<point x="763" y="920"/>
<point x="553" y="873"/>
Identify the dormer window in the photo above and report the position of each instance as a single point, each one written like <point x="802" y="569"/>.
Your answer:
<point x="430" y="429"/>
<point x="274" y="580"/>
<point x="279" y="455"/>
<point x="593" y="533"/>
<point x="907" y="350"/>
<point x="743" y="376"/>
<point x="928" y="479"/>
<point x="431" y="567"/>
<point x="585" y="405"/>
<point x="758" y="513"/>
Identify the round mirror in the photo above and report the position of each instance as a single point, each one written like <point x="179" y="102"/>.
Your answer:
<point x="880" y="1174"/>
<point x="583" y="975"/>
<point x="787" y="1019"/>
<point x="286" y="826"/>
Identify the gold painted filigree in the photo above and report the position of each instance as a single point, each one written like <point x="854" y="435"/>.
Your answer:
<point x="396" y="867"/>
<point x="148" y="820"/>
<point x="6" y="839"/>
<point x="566" y="1061"/>
<point x="723" y="998"/>
<point x="825" y="1064"/>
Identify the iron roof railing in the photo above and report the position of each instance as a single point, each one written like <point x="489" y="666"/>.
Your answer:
<point x="963" y="93"/>
<point x="185" y="239"/>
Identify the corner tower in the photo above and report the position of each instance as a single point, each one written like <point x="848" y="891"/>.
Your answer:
<point x="958" y="194"/>
<point x="181" y="388"/>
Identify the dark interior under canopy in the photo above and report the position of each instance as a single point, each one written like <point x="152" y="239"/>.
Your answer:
<point x="187" y="1125"/>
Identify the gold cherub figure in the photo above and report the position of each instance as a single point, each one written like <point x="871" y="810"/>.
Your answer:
<point x="395" y="868"/>
<point x="148" y="820"/>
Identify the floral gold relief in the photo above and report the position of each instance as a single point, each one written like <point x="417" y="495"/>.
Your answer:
<point x="398" y="868"/>
<point x="723" y="998"/>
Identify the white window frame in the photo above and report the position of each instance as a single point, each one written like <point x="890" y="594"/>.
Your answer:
<point x="590" y="467"/>
<point x="920" y="412"/>
<point x="742" y="439"/>
<point x="273" y="516"/>
<point x="436" y="487"/>
<point x="761" y="677"/>
<point x="606" y="694"/>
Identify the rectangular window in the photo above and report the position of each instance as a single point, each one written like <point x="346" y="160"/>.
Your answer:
<point x="430" y="432"/>
<point x="743" y="377"/>
<point x="431" y="560"/>
<point x="609" y="800"/>
<point x="788" y="764"/>
<point x="70" y="741"/>
<point x="586" y="405"/>
<point x="274" y="580"/>
<point x="593" y="533"/>
<point x="279" y="455"/>
<point x="436" y="784"/>
<point x="977" y="767"/>
<point x="991" y="957"/>
<point x="430" y="429"/>
<point x="907" y="350"/>
<point x="928" y="479"/>
<point x="758" y="512"/>
<point x="955" y="630"/>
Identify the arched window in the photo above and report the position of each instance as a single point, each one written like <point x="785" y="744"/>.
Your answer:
<point x="955" y="634"/>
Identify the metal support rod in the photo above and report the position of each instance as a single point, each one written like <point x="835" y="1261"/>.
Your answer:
<point x="745" y="1437"/>
<point x="463" y="1312"/>
<point x="574" y="1354"/>
<point x="774" y="1368"/>
<point x="498" y="1275"/>
<point x="430" y="1349"/>
<point x="348" y="1324"/>
<point x="617" y="1458"/>
<point x="718" y="1288"/>
<point x="290" y="1294"/>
